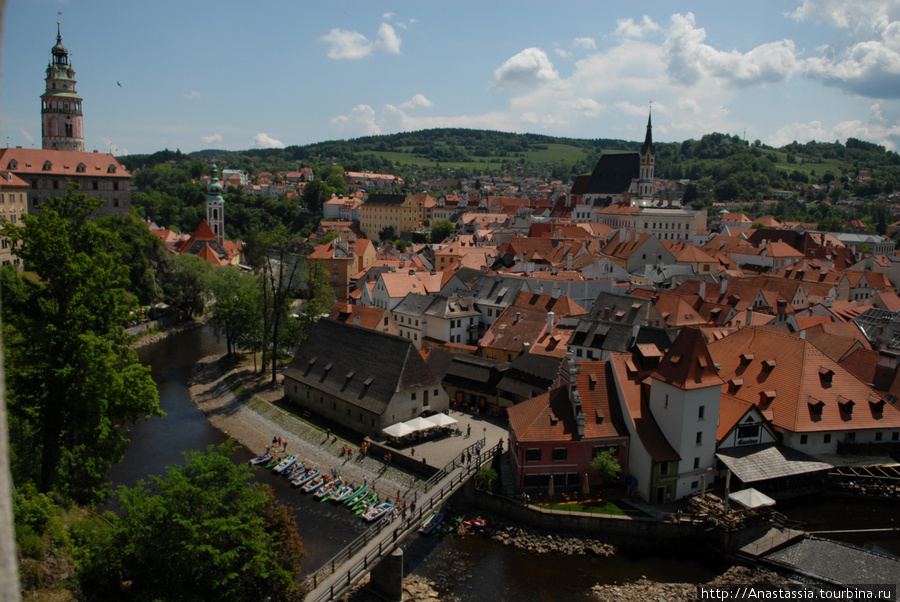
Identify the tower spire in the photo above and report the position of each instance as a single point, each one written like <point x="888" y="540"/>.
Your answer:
<point x="62" y="125"/>
<point x="647" y="146"/>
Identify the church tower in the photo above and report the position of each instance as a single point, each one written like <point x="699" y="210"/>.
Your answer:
<point x="645" y="182"/>
<point x="215" y="207"/>
<point x="62" y="125"/>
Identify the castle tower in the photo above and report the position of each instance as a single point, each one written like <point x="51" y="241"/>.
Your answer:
<point x="215" y="206"/>
<point x="645" y="183"/>
<point x="62" y="125"/>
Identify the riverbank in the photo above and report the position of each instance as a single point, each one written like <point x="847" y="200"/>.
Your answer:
<point x="687" y="592"/>
<point x="155" y="337"/>
<point x="242" y="404"/>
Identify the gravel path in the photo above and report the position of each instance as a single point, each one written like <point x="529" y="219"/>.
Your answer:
<point x="239" y="402"/>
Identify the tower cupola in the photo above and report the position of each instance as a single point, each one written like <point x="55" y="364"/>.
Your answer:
<point x="62" y="124"/>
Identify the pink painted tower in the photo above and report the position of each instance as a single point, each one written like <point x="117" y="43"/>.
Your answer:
<point x="62" y="123"/>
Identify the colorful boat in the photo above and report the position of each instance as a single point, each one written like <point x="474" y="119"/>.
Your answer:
<point x="480" y="523"/>
<point x="260" y="459"/>
<point x="294" y="469"/>
<point x="364" y="500"/>
<point x="355" y="495"/>
<point x="377" y="511"/>
<point x="274" y="462"/>
<point x="285" y="464"/>
<point x="339" y="493"/>
<point x="328" y="489"/>
<point x="304" y="477"/>
<point x="314" y="483"/>
<point x="436" y="520"/>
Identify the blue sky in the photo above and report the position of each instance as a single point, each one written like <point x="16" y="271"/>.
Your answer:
<point x="239" y="75"/>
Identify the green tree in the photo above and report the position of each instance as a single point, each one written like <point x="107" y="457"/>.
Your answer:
<point x="607" y="466"/>
<point x="71" y="381"/>
<point x="187" y="285"/>
<point x="203" y="532"/>
<point x="387" y="234"/>
<point x="236" y="313"/>
<point x="441" y="230"/>
<point x="485" y="478"/>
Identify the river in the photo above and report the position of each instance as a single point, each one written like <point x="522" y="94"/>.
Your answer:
<point x="463" y="567"/>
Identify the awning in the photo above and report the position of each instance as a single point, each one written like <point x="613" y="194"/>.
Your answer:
<point x="754" y="463"/>
<point x="420" y="424"/>
<point x="442" y="420"/>
<point x="751" y="498"/>
<point x="397" y="430"/>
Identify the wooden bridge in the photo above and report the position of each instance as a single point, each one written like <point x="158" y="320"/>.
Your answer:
<point x="355" y="561"/>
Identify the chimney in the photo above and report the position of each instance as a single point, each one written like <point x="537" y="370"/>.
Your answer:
<point x="723" y="286"/>
<point x="569" y="261"/>
<point x="749" y="320"/>
<point x="555" y="292"/>
<point x="540" y="289"/>
<point x="703" y="290"/>
<point x="550" y="324"/>
<point x="356" y="321"/>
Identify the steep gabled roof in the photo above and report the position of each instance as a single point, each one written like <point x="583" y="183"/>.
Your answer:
<point x="688" y="364"/>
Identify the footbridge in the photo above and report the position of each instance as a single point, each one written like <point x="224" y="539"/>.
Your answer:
<point x="351" y="564"/>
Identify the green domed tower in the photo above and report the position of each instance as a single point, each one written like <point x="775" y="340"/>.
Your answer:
<point x="62" y="125"/>
<point x="215" y="206"/>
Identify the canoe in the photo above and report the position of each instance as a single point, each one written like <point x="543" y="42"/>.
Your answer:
<point x="377" y="511"/>
<point x="285" y="464"/>
<point x="364" y="507"/>
<point x="273" y="462"/>
<point x="355" y="495"/>
<point x="364" y="501"/>
<point x="446" y="527"/>
<point x="260" y="459"/>
<point x="328" y="489"/>
<point x="337" y="493"/>
<point x="433" y="524"/>
<point x="426" y="522"/>
<point x="304" y="477"/>
<point x="294" y="469"/>
<point x="314" y="483"/>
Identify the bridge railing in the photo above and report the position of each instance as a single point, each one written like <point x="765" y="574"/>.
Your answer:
<point x="350" y="571"/>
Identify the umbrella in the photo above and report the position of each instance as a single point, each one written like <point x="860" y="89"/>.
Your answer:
<point x="442" y="420"/>
<point x="585" y="485"/>
<point x="397" y="430"/>
<point x="419" y="424"/>
<point x="551" y="491"/>
<point x="751" y="498"/>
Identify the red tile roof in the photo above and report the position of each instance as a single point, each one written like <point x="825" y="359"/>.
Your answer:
<point x="687" y="363"/>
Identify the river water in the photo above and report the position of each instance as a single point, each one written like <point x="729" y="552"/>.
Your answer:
<point x="465" y="568"/>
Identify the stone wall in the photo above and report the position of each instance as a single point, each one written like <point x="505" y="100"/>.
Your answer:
<point x="623" y="532"/>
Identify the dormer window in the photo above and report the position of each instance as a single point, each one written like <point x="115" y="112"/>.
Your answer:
<point x="13" y="164"/>
<point x="767" y="397"/>
<point x="769" y="364"/>
<point x="47" y="166"/>
<point x="735" y="384"/>
<point x="111" y="169"/>
<point x="81" y="168"/>
<point x="826" y="375"/>
<point x="815" y="406"/>
<point x="746" y="358"/>
<point x="846" y="406"/>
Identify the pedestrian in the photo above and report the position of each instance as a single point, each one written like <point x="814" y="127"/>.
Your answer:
<point x="335" y="439"/>
<point x="413" y="451"/>
<point x="468" y="431"/>
<point x="274" y="439"/>
<point x="365" y="480"/>
<point x="285" y="446"/>
<point x="423" y="461"/>
<point x="349" y="452"/>
<point x="327" y="434"/>
<point x="412" y="506"/>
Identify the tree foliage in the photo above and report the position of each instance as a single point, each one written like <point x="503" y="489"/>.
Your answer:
<point x="237" y="313"/>
<point x="607" y="466"/>
<point x="71" y="380"/>
<point x="201" y="533"/>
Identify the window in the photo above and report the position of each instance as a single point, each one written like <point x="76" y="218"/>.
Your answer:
<point x="804" y="439"/>
<point x="413" y="397"/>
<point x="695" y="485"/>
<point x="560" y="454"/>
<point x="663" y="469"/>
<point x="696" y="463"/>
<point x="700" y="412"/>
<point x="878" y="436"/>
<point x="827" y="438"/>
<point x="533" y="454"/>
<point x="699" y="437"/>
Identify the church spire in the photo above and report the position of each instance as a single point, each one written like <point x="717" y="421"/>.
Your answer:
<point x="62" y="121"/>
<point x="647" y="146"/>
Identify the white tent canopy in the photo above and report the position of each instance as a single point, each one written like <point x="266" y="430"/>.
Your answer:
<point x="397" y="430"/>
<point x="442" y="420"/>
<point x="420" y="424"/>
<point x="751" y="498"/>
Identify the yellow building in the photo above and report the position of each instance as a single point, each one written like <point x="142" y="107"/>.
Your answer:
<point x="13" y="205"/>
<point x="383" y="210"/>
<point x="341" y="260"/>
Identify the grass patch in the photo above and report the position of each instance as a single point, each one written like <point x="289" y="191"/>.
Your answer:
<point x="609" y="507"/>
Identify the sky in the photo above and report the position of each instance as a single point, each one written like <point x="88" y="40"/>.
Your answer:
<point x="198" y="74"/>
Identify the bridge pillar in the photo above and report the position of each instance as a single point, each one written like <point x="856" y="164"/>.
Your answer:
<point x="387" y="576"/>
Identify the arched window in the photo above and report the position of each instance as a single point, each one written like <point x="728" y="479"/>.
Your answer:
<point x="47" y="166"/>
<point x="111" y="169"/>
<point x="13" y="164"/>
<point x="81" y="168"/>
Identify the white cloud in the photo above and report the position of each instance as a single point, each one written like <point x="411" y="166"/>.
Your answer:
<point x="528" y="69"/>
<point x="388" y="40"/>
<point x="627" y="28"/>
<point x="417" y="101"/>
<point x="347" y="45"/>
<point x="865" y="59"/>
<point x="584" y="106"/>
<point x="688" y="58"/>
<point x="28" y="137"/>
<point x="588" y="43"/>
<point x="561" y="52"/>
<point x="263" y="140"/>
<point x="360" y="122"/>
<point x="193" y="95"/>
<point x="211" y="139"/>
<point x="351" y="45"/>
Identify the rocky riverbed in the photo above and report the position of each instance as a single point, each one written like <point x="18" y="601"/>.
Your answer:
<point x="685" y="592"/>
<point x="537" y="542"/>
